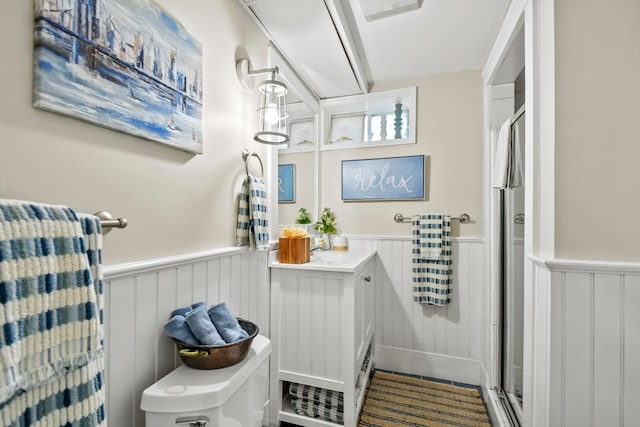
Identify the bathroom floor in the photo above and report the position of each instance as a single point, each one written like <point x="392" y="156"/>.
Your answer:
<point x="400" y="399"/>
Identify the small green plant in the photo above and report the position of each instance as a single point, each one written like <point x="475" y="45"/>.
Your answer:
<point x="327" y="222"/>
<point x="303" y="217"/>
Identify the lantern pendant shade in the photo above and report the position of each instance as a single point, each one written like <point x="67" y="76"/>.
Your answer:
<point x="272" y="123"/>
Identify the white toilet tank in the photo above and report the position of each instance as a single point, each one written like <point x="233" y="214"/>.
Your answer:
<point x="229" y="397"/>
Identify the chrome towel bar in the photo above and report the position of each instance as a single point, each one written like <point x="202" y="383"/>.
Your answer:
<point x="463" y="218"/>
<point x="108" y="222"/>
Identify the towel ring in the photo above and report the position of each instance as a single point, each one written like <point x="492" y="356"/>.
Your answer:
<point x="246" y="156"/>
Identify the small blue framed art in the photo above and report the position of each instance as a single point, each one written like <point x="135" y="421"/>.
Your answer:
<point x="389" y="178"/>
<point x="286" y="183"/>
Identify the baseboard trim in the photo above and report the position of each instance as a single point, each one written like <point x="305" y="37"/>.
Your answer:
<point x="467" y="371"/>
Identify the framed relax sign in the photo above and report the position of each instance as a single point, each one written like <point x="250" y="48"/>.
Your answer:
<point x="388" y="178"/>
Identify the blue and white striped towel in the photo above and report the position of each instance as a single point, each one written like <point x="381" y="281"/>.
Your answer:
<point x="92" y="231"/>
<point x="253" y="227"/>
<point x="432" y="265"/>
<point x="51" y="308"/>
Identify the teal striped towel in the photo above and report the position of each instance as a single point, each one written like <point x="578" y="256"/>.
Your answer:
<point x="432" y="265"/>
<point x="51" y="316"/>
<point x="253" y="227"/>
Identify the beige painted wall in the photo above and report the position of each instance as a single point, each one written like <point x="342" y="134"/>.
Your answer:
<point x="597" y="172"/>
<point x="288" y="212"/>
<point x="449" y="133"/>
<point x="175" y="202"/>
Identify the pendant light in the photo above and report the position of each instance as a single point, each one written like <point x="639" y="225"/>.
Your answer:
<point x="272" y="113"/>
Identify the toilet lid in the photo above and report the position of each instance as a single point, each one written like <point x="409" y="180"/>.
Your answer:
<point x="187" y="389"/>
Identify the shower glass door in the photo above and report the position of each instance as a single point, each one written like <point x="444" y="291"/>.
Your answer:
<point x="513" y="282"/>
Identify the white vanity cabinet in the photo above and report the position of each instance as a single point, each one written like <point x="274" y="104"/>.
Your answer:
<point x="321" y="329"/>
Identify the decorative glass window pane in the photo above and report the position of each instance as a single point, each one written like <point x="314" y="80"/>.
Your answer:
<point x="347" y="129"/>
<point x="371" y="120"/>
<point x="387" y="126"/>
<point x="301" y="132"/>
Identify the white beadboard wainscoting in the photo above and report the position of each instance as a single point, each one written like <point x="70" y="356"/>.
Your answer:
<point x="440" y="342"/>
<point x="586" y="343"/>
<point x="139" y="300"/>
<point x="584" y="326"/>
<point x="443" y="342"/>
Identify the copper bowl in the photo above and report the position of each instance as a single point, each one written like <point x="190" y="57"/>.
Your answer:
<point x="210" y="357"/>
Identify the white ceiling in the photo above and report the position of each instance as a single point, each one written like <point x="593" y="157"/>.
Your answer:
<point x="337" y="52"/>
<point x="442" y="36"/>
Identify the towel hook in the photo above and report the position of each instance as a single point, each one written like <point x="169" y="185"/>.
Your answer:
<point x="246" y="156"/>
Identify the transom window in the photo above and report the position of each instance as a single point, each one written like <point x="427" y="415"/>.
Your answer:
<point x="379" y="118"/>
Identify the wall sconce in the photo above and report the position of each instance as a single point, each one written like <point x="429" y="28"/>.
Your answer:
<point x="272" y="113"/>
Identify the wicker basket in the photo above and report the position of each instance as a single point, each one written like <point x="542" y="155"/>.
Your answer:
<point x="210" y="357"/>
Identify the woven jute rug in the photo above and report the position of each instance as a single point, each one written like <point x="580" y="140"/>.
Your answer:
<point x="403" y="400"/>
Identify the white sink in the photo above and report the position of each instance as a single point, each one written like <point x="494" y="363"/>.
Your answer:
<point x="332" y="257"/>
<point x="339" y="261"/>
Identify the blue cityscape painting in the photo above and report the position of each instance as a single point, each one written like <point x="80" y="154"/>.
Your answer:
<point x="389" y="178"/>
<point x="122" y="64"/>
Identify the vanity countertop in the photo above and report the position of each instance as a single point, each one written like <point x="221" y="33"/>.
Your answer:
<point x="340" y="261"/>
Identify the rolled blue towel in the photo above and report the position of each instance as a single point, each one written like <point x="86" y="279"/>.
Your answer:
<point x="177" y="328"/>
<point x="182" y="311"/>
<point x="202" y="327"/>
<point x="226" y="323"/>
